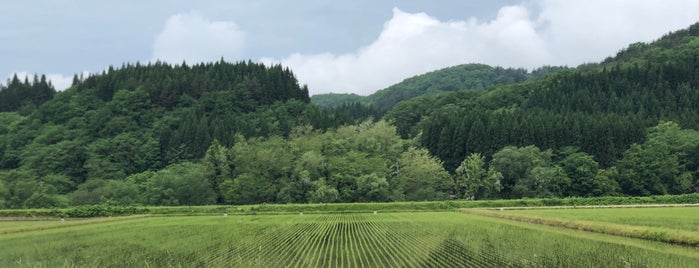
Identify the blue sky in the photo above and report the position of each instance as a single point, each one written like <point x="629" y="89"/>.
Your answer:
<point x="333" y="46"/>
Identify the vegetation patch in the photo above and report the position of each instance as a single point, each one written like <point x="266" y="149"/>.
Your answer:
<point x="667" y="235"/>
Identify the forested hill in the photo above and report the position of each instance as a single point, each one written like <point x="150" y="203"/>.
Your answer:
<point x="140" y="118"/>
<point x="455" y="78"/>
<point x="598" y="109"/>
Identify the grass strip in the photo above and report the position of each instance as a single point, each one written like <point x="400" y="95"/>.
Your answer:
<point x="55" y="224"/>
<point x="671" y="236"/>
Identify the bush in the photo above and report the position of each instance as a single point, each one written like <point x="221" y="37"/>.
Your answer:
<point x="99" y="211"/>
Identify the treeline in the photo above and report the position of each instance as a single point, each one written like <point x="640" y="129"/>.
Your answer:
<point x="358" y="163"/>
<point x="24" y="96"/>
<point x="165" y="84"/>
<point x="369" y="162"/>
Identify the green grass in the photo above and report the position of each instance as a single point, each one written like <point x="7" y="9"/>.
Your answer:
<point x="451" y="205"/>
<point x="628" y="222"/>
<point x="680" y="218"/>
<point x="415" y="239"/>
<point x="17" y="225"/>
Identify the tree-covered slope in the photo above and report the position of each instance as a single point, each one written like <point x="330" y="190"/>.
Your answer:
<point x="602" y="109"/>
<point x="331" y="100"/>
<point x="455" y="78"/>
<point x="140" y="118"/>
<point x="461" y="77"/>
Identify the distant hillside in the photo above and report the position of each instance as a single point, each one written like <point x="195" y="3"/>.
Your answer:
<point x="455" y="78"/>
<point x="461" y="77"/>
<point x="600" y="109"/>
<point x="334" y="100"/>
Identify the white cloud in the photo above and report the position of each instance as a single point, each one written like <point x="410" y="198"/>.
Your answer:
<point x="59" y="81"/>
<point x="560" y="33"/>
<point x="193" y="38"/>
<point x="411" y="44"/>
<point x="588" y="31"/>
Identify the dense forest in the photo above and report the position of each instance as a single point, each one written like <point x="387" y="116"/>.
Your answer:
<point x="24" y="96"/>
<point x="456" y="78"/>
<point x="604" y="110"/>
<point x="241" y="133"/>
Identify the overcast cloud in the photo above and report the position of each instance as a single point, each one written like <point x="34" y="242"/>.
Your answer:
<point x="339" y="46"/>
<point x="563" y="33"/>
<point x="193" y="38"/>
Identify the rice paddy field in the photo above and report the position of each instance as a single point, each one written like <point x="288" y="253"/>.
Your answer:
<point x="681" y="218"/>
<point x="403" y="239"/>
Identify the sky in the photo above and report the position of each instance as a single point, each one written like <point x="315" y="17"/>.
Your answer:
<point x="357" y="46"/>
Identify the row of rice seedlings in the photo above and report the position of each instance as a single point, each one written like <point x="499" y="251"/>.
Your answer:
<point x="384" y="235"/>
<point x="410" y="242"/>
<point x="336" y="254"/>
<point x="446" y="251"/>
<point x="421" y="234"/>
<point x="371" y="255"/>
<point x="379" y="252"/>
<point x="234" y="252"/>
<point x="279" y="242"/>
<point x="380" y="236"/>
<point x="325" y="241"/>
<point x="309" y="256"/>
<point x="358" y="256"/>
<point x="328" y="246"/>
<point x="455" y="252"/>
<point x="459" y="251"/>
<point x="364" y="254"/>
<point x="347" y="247"/>
<point x="372" y="250"/>
<point x="293" y="243"/>
<point x="253" y="249"/>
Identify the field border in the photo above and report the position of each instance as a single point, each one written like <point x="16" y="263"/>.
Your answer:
<point x="671" y="236"/>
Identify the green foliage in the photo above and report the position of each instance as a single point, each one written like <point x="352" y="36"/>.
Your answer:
<point x="587" y="179"/>
<point x="181" y="184"/>
<point x="98" y="211"/>
<point x="602" y="109"/>
<point x="461" y="77"/>
<point x="516" y="165"/>
<point x="217" y="167"/>
<point x="660" y="164"/>
<point x="4" y="194"/>
<point x="419" y="176"/>
<point x="348" y="164"/>
<point x="97" y="191"/>
<point x="372" y="188"/>
<point x="137" y="118"/>
<point x="24" y="96"/>
<point x="474" y="181"/>
<point x="334" y="100"/>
